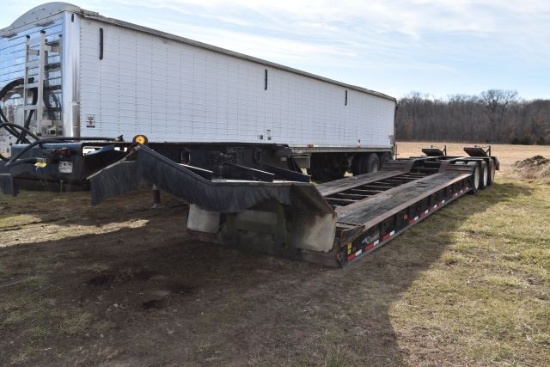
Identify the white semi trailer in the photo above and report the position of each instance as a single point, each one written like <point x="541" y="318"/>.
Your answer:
<point x="68" y="73"/>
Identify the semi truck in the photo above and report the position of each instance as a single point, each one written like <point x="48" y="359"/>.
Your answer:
<point x="88" y="101"/>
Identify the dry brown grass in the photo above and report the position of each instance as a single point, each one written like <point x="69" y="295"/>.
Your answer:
<point x="485" y="301"/>
<point x="506" y="153"/>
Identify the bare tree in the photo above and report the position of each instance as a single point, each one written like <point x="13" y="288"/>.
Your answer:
<point x="496" y="116"/>
<point x="496" y="102"/>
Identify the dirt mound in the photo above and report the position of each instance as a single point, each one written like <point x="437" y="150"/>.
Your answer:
<point x="536" y="161"/>
<point x="533" y="168"/>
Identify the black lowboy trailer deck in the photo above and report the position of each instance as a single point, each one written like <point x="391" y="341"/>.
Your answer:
<point x="333" y="223"/>
<point x="374" y="210"/>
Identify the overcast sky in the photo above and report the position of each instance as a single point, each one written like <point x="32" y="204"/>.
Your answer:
<point x="439" y="48"/>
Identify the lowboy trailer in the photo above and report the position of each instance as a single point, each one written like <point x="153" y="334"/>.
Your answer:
<point x="334" y="223"/>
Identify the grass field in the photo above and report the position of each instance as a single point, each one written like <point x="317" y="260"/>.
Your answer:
<point x="487" y="295"/>
<point x="122" y="285"/>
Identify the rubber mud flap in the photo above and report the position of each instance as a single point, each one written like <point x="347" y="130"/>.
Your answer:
<point x="8" y="185"/>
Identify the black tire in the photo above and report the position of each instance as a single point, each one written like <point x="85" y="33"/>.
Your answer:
<point x="370" y="163"/>
<point x="483" y="175"/>
<point x="365" y="163"/>
<point x="384" y="157"/>
<point x="492" y="171"/>
<point x="476" y="174"/>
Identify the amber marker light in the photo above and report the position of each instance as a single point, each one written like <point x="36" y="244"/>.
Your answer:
<point x="140" y="139"/>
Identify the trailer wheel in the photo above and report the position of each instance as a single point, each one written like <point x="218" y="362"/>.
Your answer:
<point x="370" y="163"/>
<point x="475" y="179"/>
<point x="384" y="158"/>
<point x="492" y="172"/>
<point x="483" y="175"/>
<point x="365" y="163"/>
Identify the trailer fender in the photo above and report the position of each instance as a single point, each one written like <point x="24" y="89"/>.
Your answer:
<point x="7" y="183"/>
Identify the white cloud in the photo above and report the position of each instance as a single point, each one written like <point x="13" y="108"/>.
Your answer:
<point x="386" y="37"/>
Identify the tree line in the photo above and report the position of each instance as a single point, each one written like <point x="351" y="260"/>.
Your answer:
<point x="495" y="116"/>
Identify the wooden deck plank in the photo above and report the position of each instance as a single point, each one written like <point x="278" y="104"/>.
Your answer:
<point x="386" y="203"/>
<point x="336" y="186"/>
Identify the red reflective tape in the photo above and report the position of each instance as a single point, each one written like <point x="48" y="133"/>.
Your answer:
<point x="369" y="247"/>
<point x="388" y="235"/>
<point x="351" y="257"/>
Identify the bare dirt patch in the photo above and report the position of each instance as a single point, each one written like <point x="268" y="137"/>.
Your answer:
<point x="122" y="284"/>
